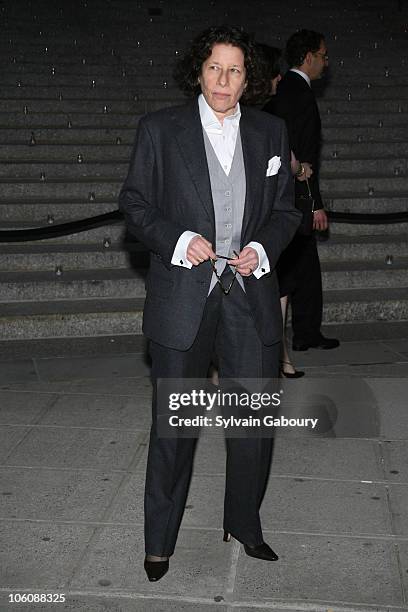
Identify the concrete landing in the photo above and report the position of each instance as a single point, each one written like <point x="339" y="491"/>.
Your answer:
<point x="74" y="422"/>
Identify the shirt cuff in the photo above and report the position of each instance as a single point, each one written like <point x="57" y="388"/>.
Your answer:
<point x="180" y="251"/>
<point x="263" y="266"/>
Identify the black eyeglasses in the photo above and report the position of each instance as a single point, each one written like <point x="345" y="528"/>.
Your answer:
<point x="323" y="55"/>
<point x="225" y="290"/>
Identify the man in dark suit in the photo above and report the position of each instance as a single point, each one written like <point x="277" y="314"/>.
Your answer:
<point x="306" y="54"/>
<point x="207" y="180"/>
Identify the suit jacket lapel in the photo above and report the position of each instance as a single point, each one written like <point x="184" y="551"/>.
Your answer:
<point x="255" y="166"/>
<point x="189" y="135"/>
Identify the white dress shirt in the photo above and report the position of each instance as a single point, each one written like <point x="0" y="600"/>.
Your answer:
<point x="303" y="75"/>
<point x="223" y="138"/>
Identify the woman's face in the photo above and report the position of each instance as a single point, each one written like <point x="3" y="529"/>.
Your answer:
<point x="223" y="79"/>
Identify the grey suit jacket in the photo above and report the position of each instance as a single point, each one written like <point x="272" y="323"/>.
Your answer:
<point x="167" y="191"/>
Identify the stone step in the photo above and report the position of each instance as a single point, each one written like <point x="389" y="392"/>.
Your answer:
<point x="339" y="77"/>
<point x="363" y="150"/>
<point x="332" y="123"/>
<point x="38" y="212"/>
<point x="389" y="166"/>
<point x="397" y="105"/>
<point x="46" y="255"/>
<point x="113" y="15"/>
<point x="138" y="68"/>
<point x="72" y="318"/>
<point x="43" y="256"/>
<point x="129" y="283"/>
<point x="133" y="67"/>
<point x="39" y="304"/>
<point x="65" y="135"/>
<point x="34" y="120"/>
<point x="79" y="318"/>
<point x="391" y="99"/>
<point x="72" y="67"/>
<point x="60" y="187"/>
<point x="169" y="92"/>
<point x="125" y="92"/>
<point x="32" y="49"/>
<point x="126" y="43"/>
<point x="333" y="126"/>
<point x="76" y="285"/>
<point x="96" y="151"/>
<point x="92" y="134"/>
<point x="385" y="138"/>
<point x="116" y="233"/>
<point x="393" y="90"/>
<point x="366" y="133"/>
<point x="365" y="305"/>
<point x="53" y="152"/>
<point x="144" y="80"/>
<point x="390" y="175"/>
<point x="367" y="274"/>
<point x="138" y="106"/>
<point x="355" y="229"/>
<point x="360" y="185"/>
<point x="338" y="247"/>
<point x="364" y="248"/>
<point x="344" y="119"/>
<point x="68" y="170"/>
<point x="373" y="204"/>
<point x="339" y="40"/>
<point x="105" y="82"/>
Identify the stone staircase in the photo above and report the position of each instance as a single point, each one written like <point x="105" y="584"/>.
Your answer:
<point x="74" y="84"/>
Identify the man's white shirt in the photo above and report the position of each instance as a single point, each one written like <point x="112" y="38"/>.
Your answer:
<point x="303" y="75"/>
<point x="223" y="139"/>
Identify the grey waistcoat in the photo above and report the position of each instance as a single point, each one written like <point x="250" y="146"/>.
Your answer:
<point x="228" y="193"/>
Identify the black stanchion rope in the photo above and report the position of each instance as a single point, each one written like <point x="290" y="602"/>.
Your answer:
<point x="63" y="229"/>
<point x="82" y="225"/>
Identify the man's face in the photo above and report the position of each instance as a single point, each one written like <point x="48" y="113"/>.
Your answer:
<point x="223" y="79"/>
<point x="319" y="61"/>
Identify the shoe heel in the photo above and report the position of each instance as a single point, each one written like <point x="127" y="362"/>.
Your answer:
<point x="155" y="570"/>
<point x="227" y="536"/>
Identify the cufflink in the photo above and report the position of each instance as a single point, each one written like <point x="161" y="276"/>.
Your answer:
<point x="181" y="262"/>
<point x="262" y="269"/>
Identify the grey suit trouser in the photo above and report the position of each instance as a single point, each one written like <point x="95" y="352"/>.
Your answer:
<point x="227" y="328"/>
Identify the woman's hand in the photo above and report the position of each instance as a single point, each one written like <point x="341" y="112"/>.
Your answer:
<point x="305" y="171"/>
<point x="301" y="170"/>
<point x="308" y="171"/>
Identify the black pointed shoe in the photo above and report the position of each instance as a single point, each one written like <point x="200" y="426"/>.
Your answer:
<point x="262" y="551"/>
<point x="321" y="343"/>
<point x="155" y="570"/>
<point x="294" y="374"/>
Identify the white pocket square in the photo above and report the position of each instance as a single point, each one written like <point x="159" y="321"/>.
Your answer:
<point x="273" y="166"/>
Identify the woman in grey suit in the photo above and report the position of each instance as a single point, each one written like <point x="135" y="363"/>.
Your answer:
<point x="209" y="192"/>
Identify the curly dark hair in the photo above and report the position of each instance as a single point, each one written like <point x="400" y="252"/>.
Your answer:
<point x="188" y="69"/>
<point x="299" y="44"/>
<point x="270" y="62"/>
<point x="271" y="58"/>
